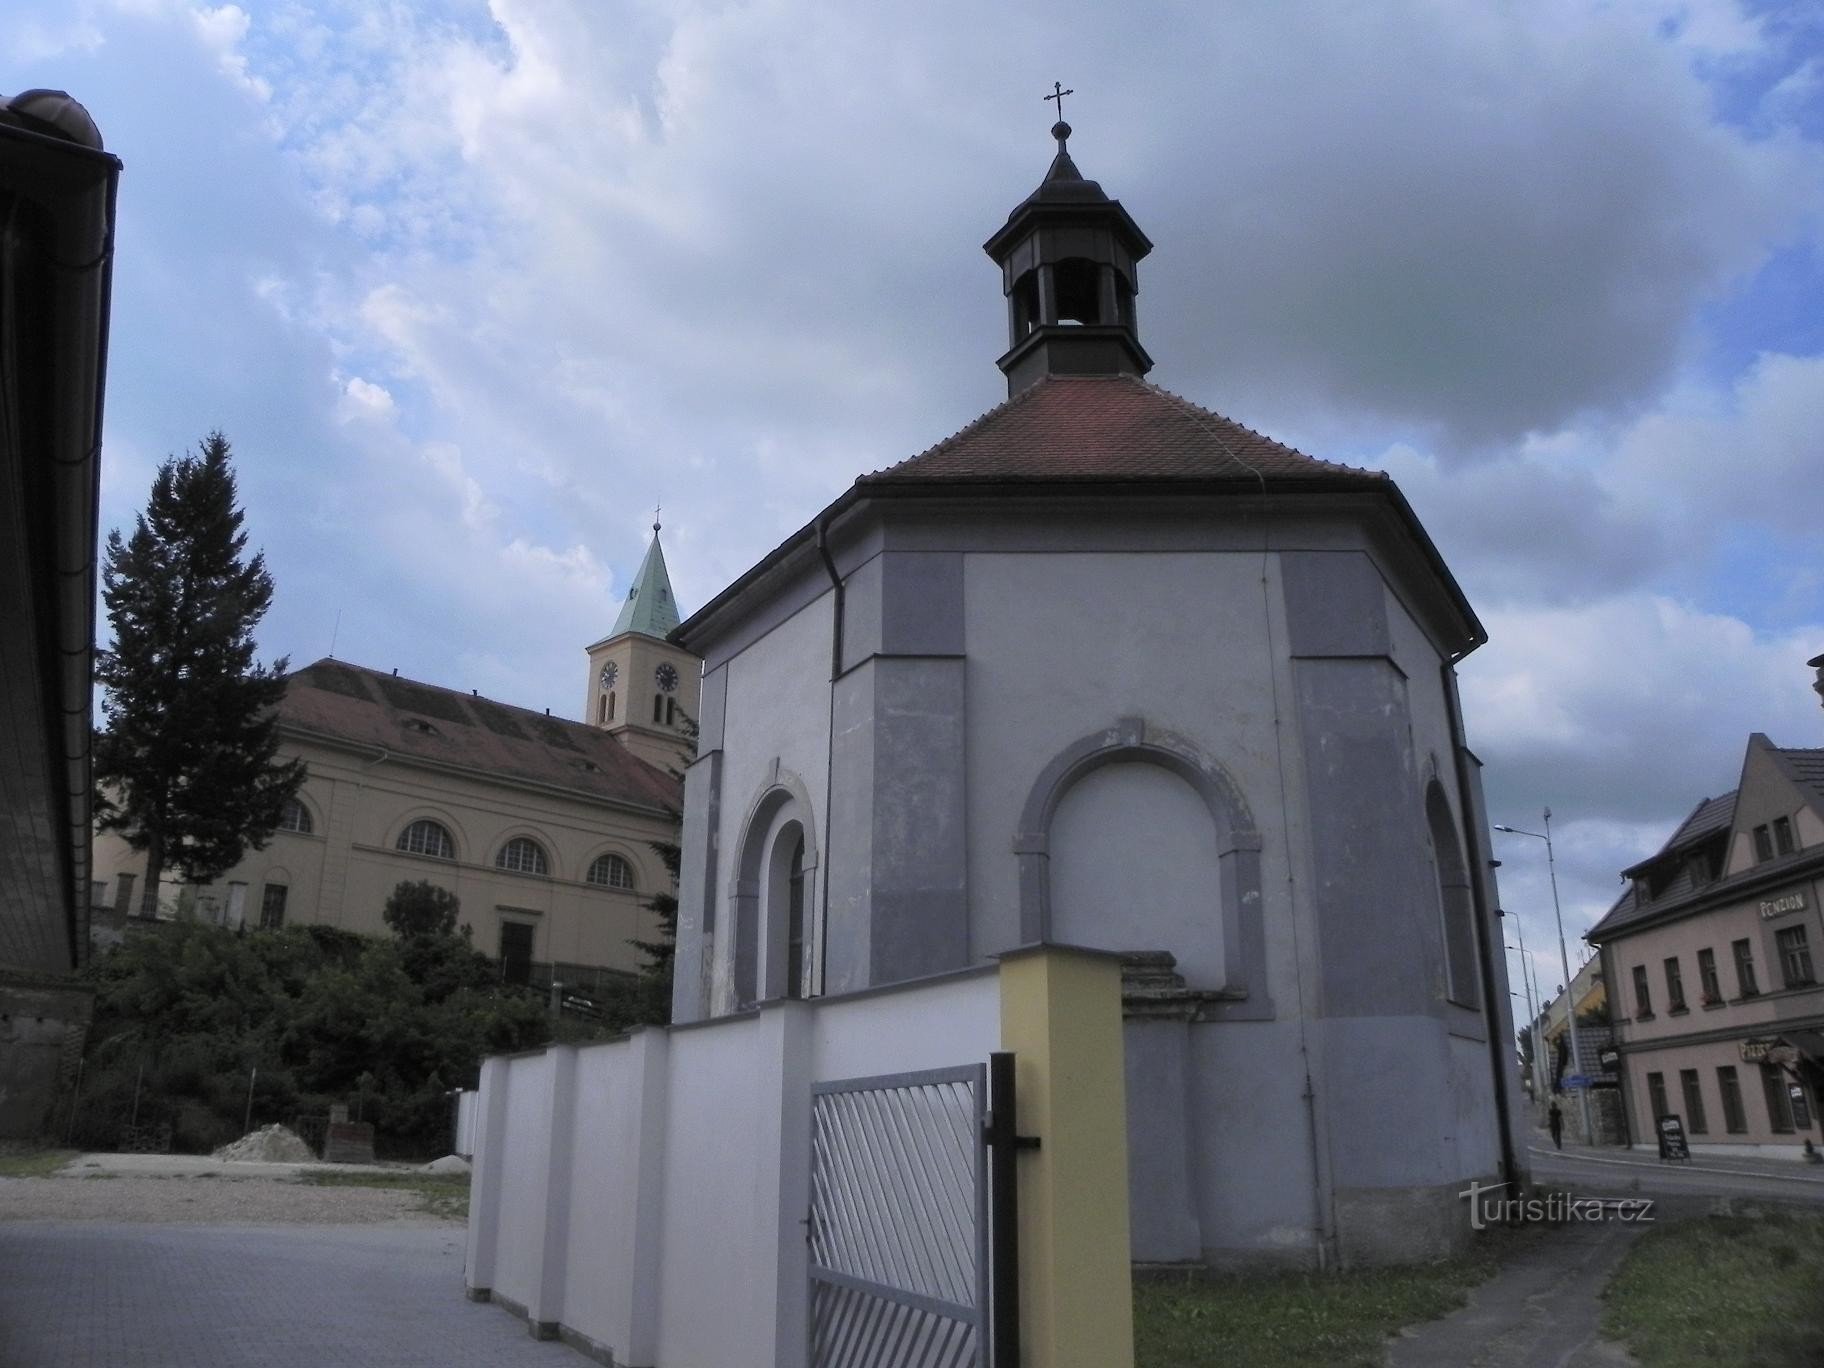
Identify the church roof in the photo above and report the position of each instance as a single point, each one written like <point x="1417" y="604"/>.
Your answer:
<point x="410" y="720"/>
<point x="650" y="609"/>
<point x="1112" y="428"/>
<point x="1094" y="436"/>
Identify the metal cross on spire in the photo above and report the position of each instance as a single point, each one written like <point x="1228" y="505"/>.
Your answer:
<point x="1058" y="93"/>
<point x="655" y="517"/>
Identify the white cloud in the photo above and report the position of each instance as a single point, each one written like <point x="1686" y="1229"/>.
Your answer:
<point x="362" y="399"/>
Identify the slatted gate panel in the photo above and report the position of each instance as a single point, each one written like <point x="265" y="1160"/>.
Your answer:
<point x="898" y="1222"/>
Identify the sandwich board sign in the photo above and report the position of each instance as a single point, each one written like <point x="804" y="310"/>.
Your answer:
<point x="1671" y="1132"/>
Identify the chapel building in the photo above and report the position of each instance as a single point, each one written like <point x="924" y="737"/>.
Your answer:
<point x="1107" y="668"/>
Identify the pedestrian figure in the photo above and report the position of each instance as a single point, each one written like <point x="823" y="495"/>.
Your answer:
<point x="1556" y="1121"/>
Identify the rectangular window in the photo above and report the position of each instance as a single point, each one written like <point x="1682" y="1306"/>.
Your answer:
<point x="1795" y="957"/>
<point x="1643" y="1000"/>
<point x="1735" y="1120"/>
<point x="272" y="906"/>
<point x="658" y="707"/>
<point x="1779" y="1109"/>
<point x="1694" y="1102"/>
<point x="1782" y="836"/>
<point x="123" y="895"/>
<point x="1707" y="981"/>
<point x="1675" y="986"/>
<point x="1763" y="844"/>
<point x="1744" y="969"/>
<point x="515" y="952"/>
<point x="1656" y="1095"/>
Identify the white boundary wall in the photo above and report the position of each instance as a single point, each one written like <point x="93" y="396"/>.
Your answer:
<point x="643" y="1197"/>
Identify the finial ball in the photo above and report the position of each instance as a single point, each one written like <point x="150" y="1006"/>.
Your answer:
<point x="1060" y="130"/>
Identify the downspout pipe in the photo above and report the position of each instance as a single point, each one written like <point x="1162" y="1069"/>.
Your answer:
<point x="829" y="750"/>
<point x="1478" y="856"/>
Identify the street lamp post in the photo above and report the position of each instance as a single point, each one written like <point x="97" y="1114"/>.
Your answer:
<point x="1564" y="960"/>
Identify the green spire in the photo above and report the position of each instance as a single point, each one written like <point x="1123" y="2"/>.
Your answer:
<point x="650" y="608"/>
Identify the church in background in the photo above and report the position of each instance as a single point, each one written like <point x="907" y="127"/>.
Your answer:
<point x="1106" y="668"/>
<point x="542" y="826"/>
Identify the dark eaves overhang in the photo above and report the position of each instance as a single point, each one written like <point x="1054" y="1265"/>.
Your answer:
<point x="782" y="560"/>
<point x="1802" y="864"/>
<point x="59" y="188"/>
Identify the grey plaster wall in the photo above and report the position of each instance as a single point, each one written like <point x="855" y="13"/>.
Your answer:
<point x="1253" y="1163"/>
<point x="1132" y="826"/>
<point x="777" y="719"/>
<point x="1062" y="645"/>
<point x="698" y="893"/>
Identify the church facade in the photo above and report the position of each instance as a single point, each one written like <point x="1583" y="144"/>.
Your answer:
<point x="1108" y="669"/>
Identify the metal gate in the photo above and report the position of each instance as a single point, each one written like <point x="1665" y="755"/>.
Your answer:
<point x="898" y="1226"/>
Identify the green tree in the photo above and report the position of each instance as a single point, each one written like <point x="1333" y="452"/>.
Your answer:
<point x="186" y="767"/>
<point x="421" y="909"/>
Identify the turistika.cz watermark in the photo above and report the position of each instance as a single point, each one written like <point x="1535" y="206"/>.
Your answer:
<point x="1487" y="1208"/>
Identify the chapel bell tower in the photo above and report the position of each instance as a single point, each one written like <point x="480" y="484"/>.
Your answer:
<point x="642" y="688"/>
<point x="1067" y="256"/>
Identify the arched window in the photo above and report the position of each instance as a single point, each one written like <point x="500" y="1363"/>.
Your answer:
<point x="671" y="712"/>
<point x="522" y="855"/>
<point x="1079" y="291"/>
<point x="601" y="709"/>
<point x="611" y="705"/>
<point x="611" y="871"/>
<point x="658" y="707"/>
<point x="425" y="837"/>
<point x="294" y="816"/>
<point x="1455" y="905"/>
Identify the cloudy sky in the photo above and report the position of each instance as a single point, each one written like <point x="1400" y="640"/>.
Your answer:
<point x="470" y="287"/>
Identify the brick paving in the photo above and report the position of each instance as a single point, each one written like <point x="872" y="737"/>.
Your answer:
<point x="94" y="1294"/>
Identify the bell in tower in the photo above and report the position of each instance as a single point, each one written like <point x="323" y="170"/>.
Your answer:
<point x="1067" y="256"/>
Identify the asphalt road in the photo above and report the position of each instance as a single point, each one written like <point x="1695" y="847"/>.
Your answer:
<point x="91" y="1294"/>
<point x="1617" y="1170"/>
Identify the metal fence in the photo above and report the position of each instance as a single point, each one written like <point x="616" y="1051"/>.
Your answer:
<point x="898" y="1225"/>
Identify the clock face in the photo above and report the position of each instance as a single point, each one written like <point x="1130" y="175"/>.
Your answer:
<point x="666" y="677"/>
<point x="610" y="672"/>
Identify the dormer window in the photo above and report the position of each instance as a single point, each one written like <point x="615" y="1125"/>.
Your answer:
<point x="419" y="725"/>
<point x="1782" y="836"/>
<point x="1763" y="844"/>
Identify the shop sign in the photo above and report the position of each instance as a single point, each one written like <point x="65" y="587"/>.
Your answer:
<point x="1672" y="1143"/>
<point x="1768" y="1050"/>
<point x="1786" y="902"/>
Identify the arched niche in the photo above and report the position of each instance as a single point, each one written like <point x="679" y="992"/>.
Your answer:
<point x="1456" y="908"/>
<point x="1233" y="907"/>
<point x="770" y="902"/>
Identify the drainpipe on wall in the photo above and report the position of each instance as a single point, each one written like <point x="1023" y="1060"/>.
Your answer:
<point x="829" y="749"/>
<point x="1478" y="858"/>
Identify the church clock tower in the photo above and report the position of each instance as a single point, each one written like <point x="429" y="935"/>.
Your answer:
<point x="642" y="688"/>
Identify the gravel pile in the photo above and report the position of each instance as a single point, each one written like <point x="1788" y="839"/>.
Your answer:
<point x="272" y="1144"/>
<point x="450" y="1163"/>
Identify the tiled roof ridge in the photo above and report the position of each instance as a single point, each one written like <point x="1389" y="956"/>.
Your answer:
<point x="1024" y="396"/>
<point x="470" y="697"/>
<point x="1201" y="415"/>
<point x="1217" y="426"/>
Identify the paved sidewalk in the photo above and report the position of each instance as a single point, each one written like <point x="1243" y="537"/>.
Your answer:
<point x="95" y="1295"/>
<point x="1809" y="1176"/>
<point x="1542" y="1310"/>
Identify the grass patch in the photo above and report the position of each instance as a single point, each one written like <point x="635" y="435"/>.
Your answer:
<point x="1743" y="1290"/>
<point x="440" y="1194"/>
<point x="1295" y="1320"/>
<point x="22" y="1161"/>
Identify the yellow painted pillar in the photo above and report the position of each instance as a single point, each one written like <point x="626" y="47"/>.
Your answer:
<point x="1061" y="1018"/>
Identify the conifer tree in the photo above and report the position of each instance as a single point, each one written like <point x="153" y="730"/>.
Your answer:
<point x="186" y="766"/>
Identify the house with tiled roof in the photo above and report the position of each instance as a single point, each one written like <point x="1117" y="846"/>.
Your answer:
<point x="543" y="827"/>
<point x="1712" y="953"/>
<point x="1108" y="668"/>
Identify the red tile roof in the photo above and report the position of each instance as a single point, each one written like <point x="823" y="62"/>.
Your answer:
<point x="411" y="720"/>
<point x="1115" y="428"/>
